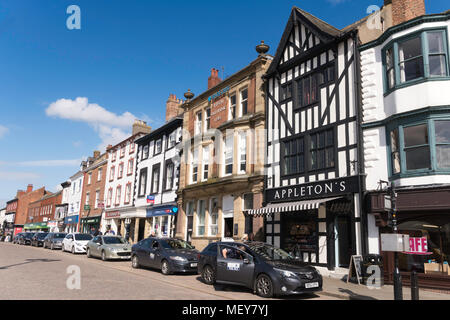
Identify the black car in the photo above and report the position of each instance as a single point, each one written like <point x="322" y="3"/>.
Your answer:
<point x="26" y="238"/>
<point x="267" y="270"/>
<point x="54" y="240"/>
<point x="169" y="255"/>
<point x="38" y="239"/>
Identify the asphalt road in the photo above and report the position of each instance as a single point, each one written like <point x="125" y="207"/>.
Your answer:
<point x="30" y="273"/>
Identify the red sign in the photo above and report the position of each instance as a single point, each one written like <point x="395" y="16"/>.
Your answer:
<point x="112" y="214"/>
<point x="418" y="246"/>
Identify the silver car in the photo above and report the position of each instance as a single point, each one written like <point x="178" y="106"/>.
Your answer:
<point x="109" y="248"/>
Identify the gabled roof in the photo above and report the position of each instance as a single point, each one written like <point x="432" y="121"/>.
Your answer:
<point x="156" y="134"/>
<point x="324" y="31"/>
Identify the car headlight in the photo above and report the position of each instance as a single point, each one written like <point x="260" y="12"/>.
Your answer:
<point x="178" y="258"/>
<point x="286" y="273"/>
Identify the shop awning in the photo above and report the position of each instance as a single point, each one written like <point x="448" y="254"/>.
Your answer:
<point x="289" y="206"/>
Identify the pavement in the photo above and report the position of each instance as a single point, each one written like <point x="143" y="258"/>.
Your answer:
<point x="30" y="273"/>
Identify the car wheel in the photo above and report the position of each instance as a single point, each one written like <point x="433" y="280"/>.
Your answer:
<point x="73" y="249"/>
<point x="52" y="246"/>
<point x="44" y="246"/>
<point x="264" y="286"/>
<point x="135" y="262"/>
<point x="88" y="253"/>
<point x="165" y="268"/>
<point x="208" y="275"/>
<point x="104" y="256"/>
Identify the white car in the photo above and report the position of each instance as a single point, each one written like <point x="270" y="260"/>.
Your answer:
<point x="76" y="242"/>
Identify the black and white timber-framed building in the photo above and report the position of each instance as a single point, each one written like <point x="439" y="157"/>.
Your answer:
<point x="314" y="179"/>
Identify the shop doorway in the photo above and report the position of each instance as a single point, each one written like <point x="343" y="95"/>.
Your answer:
<point x="343" y="247"/>
<point x="228" y="227"/>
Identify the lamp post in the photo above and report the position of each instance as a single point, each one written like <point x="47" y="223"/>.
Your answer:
<point x="398" y="291"/>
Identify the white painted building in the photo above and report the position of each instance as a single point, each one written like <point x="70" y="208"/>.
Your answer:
<point x="405" y="76"/>
<point x="157" y="180"/>
<point x="2" y="218"/>
<point x="120" y="181"/>
<point x="73" y="197"/>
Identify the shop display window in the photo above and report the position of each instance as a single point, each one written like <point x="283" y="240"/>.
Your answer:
<point x="300" y="237"/>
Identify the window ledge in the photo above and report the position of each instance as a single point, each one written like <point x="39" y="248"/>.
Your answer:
<point x="419" y="174"/>
<point x="415" y="82"/>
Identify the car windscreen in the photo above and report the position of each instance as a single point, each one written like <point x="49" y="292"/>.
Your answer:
<point x="113" y="240"/>
<point x="175" y="244"/>
<point x="83" y="237"/>
<point x="59" y="235"/>
<point x="28" y="235"/>
<point x="270" y="253"/>
<point x="41" y="235"/>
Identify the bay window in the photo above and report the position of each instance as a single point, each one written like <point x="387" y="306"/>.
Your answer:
<point x="418" y="56"/>
<point x="228" y="154"/>
<point x="242" y="152"/>
<point x="205" y="163"/>
<point x="419" y="146"/>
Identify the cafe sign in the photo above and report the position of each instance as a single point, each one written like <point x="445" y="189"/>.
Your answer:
<point x="418" y="246"/>
<point x="314" y="190"/>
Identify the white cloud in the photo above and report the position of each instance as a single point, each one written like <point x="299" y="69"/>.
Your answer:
<point x="111" y="128"/>
<point x="50" y="163"/>
<point x="3" y="131"/>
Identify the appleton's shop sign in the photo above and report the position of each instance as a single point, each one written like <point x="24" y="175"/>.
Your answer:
<point x="219" y="107"/>
<point x="314" y="190"/>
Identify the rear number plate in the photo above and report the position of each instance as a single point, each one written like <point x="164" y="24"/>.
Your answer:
<point x="193" y="265"/>
<point x="311" y="285"/>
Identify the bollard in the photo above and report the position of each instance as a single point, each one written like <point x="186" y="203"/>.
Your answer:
<point x="414" y="286"/>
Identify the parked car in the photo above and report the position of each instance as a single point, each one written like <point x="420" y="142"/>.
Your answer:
<point x="76" y="242"/>
<point x="17" y="237"/>
<point x="54" y="240"/>
<point x="26" y="238"/>
<point x="38" y="239"/>
<point x="267" y="270"/>
<point x="167" y="254"/>
<point x="108" y="248"/>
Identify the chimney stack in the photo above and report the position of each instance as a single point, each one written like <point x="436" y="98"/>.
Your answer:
<point x="29" y="188"/>
<point x="96" y="154"/>
<point x="404" y="10"/>
<point x="140" y="126"/>
<point x="173" y="107"/>
<point x="214" y="79"/>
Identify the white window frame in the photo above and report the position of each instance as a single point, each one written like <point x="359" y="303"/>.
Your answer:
<point x="198" y="123"/>
<point x="194" y="165"/>
<point x="197" y="213"/>
<point x="207" y="118"/>
<point x="243" y="139"/>
<point x="227" y="141"/>
<point x="212" y="226"/>
<point x="232" y="106"/>
<point x="205" y="163"/>
<point x="241" y="102"/>
<point x="99" y="174"/>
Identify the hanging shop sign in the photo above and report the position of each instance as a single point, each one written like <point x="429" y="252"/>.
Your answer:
<point x="151" y="200"/>
<point x="314" y="190"/>
<point x="71" y="220"/>
<point x="37" y="225"/>
<point x="91" y="220"/>
<point x="52" y="224"/>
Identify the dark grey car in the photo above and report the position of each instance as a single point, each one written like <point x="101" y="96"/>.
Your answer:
<point x="54" y="240"/>
<point x="267" y="270"/>
<point x="167" y="254"/>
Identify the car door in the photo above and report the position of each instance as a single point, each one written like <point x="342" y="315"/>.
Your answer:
<point x="234" y="266"/>
<point x="93" y="247"/>
<point x="155" y="254"/>
<point x="142" y="250"/>
<point x="66" y="242"/>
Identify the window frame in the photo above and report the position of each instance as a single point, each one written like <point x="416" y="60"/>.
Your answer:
<point x="198" y="122"/>
<point x="197" y="213"/>
<point x="155" y="143"/>
<point x="155" y="167"/>
<point x="232" y="107"/>
<point x="205" y="163"/>
<point x="207" y="119"/>
<point x="167" y="165"/>
<point x="145" y="151"/>
<point x="394" y="45"/>
<point x="118" y="195"/>
<point x="409" y="121"/>
<point x="242" y="101"/>
<point x="144" y="186"/>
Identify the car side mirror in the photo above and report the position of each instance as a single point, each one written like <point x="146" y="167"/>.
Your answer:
<point x="246" y="261"/>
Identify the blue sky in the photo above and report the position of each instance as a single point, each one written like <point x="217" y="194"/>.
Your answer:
<point x="126" y="60"/>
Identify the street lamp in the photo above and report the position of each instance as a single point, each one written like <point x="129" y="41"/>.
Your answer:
<point x="398" y="291"/>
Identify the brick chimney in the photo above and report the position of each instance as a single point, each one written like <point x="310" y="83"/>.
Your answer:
<point x="214" y="79"/>
<point x="404" y="10"/>
<point x="96" y="154"/>
<point x="140" y="126"/>
<point x="173" y="107"/>
<point x="29" y="188"/>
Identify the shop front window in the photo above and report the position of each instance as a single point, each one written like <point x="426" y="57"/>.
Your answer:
<point x="301" y="238"/>
<point x="436" y="230"/>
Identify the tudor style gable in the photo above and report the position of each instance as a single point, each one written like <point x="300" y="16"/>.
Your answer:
<point x="303" y="33"/>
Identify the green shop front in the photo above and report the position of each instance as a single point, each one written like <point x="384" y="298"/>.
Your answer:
<point x="36" y="227"/>
<point x="89" y="223"/>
